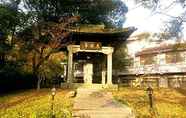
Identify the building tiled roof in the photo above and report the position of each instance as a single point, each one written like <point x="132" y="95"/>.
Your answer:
<point x="99" y="29"/>
<point x="162" y="49"/>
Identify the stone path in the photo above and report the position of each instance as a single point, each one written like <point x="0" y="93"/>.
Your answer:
<point x="92" y="103"/>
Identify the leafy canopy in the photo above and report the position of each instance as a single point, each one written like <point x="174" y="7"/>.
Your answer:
<point x="108" y="12"/>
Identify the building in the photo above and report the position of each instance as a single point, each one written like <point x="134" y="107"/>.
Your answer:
<point x="159" y="63"/>
<point x="90" y="54"/>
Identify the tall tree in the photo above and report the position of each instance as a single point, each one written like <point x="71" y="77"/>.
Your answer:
<point x="108" y="12"/>
<point x="10" y="19"/>
<point x="42" y="40"/>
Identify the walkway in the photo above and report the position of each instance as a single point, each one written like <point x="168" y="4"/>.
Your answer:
<point x="92" y="103"/>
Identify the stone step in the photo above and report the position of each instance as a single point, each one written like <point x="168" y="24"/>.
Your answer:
<point x="103" y="114"/>
<point x="93" y="103"/>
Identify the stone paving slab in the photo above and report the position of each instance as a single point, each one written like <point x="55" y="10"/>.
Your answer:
<point x="94" y="103"/>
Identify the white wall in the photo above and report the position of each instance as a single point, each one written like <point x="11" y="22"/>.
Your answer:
<point x="135" y="45"/>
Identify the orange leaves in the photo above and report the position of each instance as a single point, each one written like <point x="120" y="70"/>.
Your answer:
<point x="58" y="56"/>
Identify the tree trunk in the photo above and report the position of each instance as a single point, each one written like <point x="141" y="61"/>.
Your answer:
<point x="39" y="83"/>
<point x="2" y="58"/>
<point x="35" y="71"/>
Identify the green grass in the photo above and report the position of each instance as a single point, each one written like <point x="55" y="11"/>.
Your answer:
<point x="33" y="104"/>
<point x="168" y="103"/>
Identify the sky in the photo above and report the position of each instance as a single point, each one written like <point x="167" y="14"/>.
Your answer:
<point x="146" y="20"/>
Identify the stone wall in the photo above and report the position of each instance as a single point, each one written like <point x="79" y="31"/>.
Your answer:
<point x="155" y="81"/>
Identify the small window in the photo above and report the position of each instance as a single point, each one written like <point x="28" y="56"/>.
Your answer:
<point x="147" y="59"/>
<point x="174" y="57"/>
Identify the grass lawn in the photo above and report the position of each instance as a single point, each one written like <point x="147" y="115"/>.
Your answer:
<point x="33" y="104"/>
<point x="168" y="103"/>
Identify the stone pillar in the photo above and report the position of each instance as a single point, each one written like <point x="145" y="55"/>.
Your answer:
<point x="109" y="68"/>
<point x="88" y="73"/>
<point x="103" y="77"/>
<point x="65" y="72"/>
<point x="70" y="64"/>
<point x="163" y="82"/>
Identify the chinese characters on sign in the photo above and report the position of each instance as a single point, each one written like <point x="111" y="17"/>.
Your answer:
<point x="90" y="45"/>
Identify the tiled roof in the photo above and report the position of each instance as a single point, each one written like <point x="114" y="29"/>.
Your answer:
<point x="162" y="49"/>
<point x="99" y="29"/>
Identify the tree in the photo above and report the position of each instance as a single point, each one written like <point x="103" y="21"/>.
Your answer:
<point x="9" y="21"/>
<point x="108" y="12"/>
<point x="13" y="20"/>
<point x="41" y="41"/>
<point x="174" y="27"/>
<point x="11" y="62"/>
<point x="120" y="57"/>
